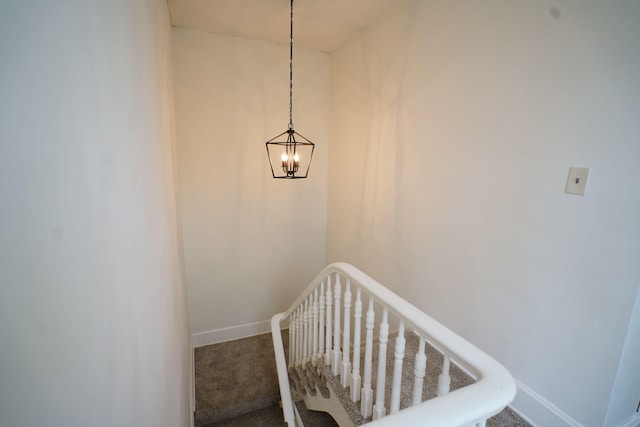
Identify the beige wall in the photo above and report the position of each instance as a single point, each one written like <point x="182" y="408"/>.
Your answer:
<point x="93" y="323"/>
<point x="453" y="125"/>
<point x="251" y="242"/>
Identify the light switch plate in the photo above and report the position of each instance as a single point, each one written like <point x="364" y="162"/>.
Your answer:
<point x="577" y="181"/>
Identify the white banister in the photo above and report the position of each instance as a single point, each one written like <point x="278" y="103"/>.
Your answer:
<point x="379" y="410"/>
<point x="315" y="331"/>
<point x="444" y="380"/>
<point x="366" y="396"/>
<point x="335" y="363"/>
<point x="283" y="378"/>
<point x="419" y="372"/>
<point x="346" y="337"/>
<point x="397" y="371"/>
<point x="327" y="358"/>
<point x="355" y="374"/>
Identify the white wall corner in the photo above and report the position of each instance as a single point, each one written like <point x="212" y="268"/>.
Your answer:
<point x="538" y="411"/>
<point x="230" y="333"/>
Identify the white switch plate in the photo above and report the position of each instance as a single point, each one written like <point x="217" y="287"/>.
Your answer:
<point x="577" y="181"/>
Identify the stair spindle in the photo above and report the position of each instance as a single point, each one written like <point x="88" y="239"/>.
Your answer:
<point x="419" y="372"/>
<point x="346" y="337"/>
<point x="299" y="339"/>
<point x="310" y="330"/>
<point x="366" y="395"/>
<point x="305" y="333"/>
<point x="444" y="380"/>
<point x="292" y="338"/>
<point x="321" y="321"/>
<point x="397" y="370"/>
<point x="314" y="352"/>
<point x="329" y="301"/>
<point x="337" y="294"/>
<point x="355" y="375"/>
<point x="379" y="410"/>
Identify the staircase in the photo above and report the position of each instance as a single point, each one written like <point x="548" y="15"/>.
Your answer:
<point x="237" y="385"/>
<point x="223" y="399"/>
<point x="237" y="382"/>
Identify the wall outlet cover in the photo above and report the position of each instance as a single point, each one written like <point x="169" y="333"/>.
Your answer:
<point x="577" y="181"/>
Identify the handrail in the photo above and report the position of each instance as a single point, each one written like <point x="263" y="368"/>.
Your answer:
<point x="281" y="366"/>
<point x="493" y="389"/>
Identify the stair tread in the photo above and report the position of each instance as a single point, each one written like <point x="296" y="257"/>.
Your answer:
<point x="271" y="416"/>
<point x="234" y="378"/>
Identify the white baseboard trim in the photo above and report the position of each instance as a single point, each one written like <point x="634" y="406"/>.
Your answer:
<point x="633" y="421"/>
<point x="230" y="333"/>
<point x="538" y="411"/>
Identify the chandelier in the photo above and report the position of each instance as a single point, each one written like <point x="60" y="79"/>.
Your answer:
<point x="289" y="152"/>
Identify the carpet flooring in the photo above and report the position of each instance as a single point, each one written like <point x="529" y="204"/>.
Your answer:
<point x="234" y="378"/>
<point x="236" y="385"/>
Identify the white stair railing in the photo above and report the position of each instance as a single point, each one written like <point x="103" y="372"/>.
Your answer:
<point x="315" y="333"/>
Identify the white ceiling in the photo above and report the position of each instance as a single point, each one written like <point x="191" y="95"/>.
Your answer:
<point x="317" y="24"/>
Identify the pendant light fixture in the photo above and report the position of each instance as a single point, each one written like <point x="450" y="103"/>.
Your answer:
<point x="290" y="153"/>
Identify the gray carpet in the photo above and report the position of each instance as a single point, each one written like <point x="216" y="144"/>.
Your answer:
<point x="236" y="385"/>
<point x="272" y="417"/>
<point x="459" y="379"/>
<point x="234" y="378"/>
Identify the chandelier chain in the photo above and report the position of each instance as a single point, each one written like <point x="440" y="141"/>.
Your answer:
<point x="291" y="71"/>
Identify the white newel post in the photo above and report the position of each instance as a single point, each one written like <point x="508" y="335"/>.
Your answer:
<point x="321" y="321"/>
<point x="378" y="409"/>
<point x="355" y="375"/>
<point x="346" y="337"/>
<point x="397" y="370"/>
<point x="419" y="372"/>
<point x="444" y="381"/>
<point x="329" y="301"/>
<point x="366" y="396"/>
<point x="335" y="363"/>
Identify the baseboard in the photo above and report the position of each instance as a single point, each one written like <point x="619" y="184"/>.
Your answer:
<point x="633" y="421"/>
<point x="231" y="333"/>
<point x="538" y="411"/>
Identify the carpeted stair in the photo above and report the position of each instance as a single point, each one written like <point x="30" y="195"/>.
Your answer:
<point x="236" y="385"/>
<point x="459" y="379"/>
